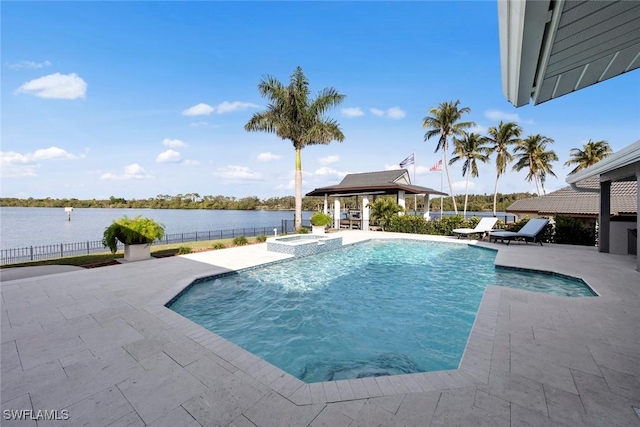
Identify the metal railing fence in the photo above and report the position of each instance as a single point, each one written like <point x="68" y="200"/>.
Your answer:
<point x="61" y="250"/>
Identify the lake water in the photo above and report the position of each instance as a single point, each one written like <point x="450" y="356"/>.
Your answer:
<point x="23" y="227"/>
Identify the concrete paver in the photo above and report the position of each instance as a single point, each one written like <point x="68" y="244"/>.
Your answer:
<point x="101" y="344"/>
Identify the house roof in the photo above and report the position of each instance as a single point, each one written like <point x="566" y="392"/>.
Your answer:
<point x="569" y="201"/>
<point x="551" y="48"/>
<point x="381" y="182"/>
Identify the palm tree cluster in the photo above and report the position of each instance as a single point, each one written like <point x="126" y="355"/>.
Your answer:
<point x="532" y="153"/>
<point x="292" y="115"/>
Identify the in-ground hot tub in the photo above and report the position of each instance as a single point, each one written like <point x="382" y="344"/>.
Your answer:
<point x="303" y="244"/>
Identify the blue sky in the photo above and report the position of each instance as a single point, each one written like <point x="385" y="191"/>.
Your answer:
<point x="136" y="99"/>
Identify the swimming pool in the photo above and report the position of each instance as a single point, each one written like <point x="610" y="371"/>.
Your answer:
<point x="377" y="308"/>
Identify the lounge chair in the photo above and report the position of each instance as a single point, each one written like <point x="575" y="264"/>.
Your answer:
<point x="529" y="231"/>
<point x="484" y="226"/>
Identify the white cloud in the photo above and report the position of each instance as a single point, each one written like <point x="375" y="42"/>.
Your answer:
<point x="198" y="110"/>
<point x="132" y="171"/>
<point x="392" y="113"/>
<point x="291" y="185"/>
<point x="329" y="159"/>
<point x="327" y="171"/>
<point x="16" y="164"/>
<point x="30" y="64"/>
<point x="497" y="115"/>
<point x="237" y="174"/>
<point x="191" y="162"/>
<point x="173" y="143"/>
<point x="169" y="156"/>
<point x="198" y="124"/>
<point x="352" y="112"/>
<point x="56" y="86"/>
<point x="396" y="113"/>
<point x="228" y="107"/>
<point x="268" y="157"/>
<point x="460" y="186"/>
<point x="478" y="129"/>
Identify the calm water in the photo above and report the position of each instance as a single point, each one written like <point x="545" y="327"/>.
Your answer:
<point x="377" y="308"/>
<point x="23" y="227"/>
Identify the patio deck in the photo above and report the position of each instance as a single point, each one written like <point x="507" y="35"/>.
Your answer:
<point x="101" y="344"/>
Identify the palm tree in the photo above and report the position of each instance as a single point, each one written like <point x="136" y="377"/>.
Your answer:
<point x="445" y="121"/>
<point x="593" y="152"/>
<point x="532" y="154"/>
<point x="383" y="210"/>
<point x="292" y="115"/>
<point x="470" y="148"/>
<point x="501" y="138"/>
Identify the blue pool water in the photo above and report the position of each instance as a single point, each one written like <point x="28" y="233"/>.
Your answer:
<point x="376" y="308"/>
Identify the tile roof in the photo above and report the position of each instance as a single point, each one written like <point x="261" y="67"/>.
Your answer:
<point x="569" y="201"/>
<point x="382" y="182"/>
<point x="371" y="178"/>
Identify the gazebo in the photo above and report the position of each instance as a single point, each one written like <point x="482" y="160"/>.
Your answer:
<point x="371" y="184"/>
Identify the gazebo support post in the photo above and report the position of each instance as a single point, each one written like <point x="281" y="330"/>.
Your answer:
<point x="401" y="201"/>
<point x="336" y="215"/>
<point x="365" y="212"/>
<point x="326" y="204"/>
<point x="427" y="216"/>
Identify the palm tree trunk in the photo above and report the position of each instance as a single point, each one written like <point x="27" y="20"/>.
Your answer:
<point x="537" y="187"/>
<point x="466" y="195"/>
<point x="495" y="195"/>
<point x="446" y="168"/>
<point x="298" y="182"/>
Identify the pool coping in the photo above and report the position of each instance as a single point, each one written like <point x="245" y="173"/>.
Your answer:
<point x="473" y="369"/>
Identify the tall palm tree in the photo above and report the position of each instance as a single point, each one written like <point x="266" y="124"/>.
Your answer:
<point x="545" y="157"/>
<point x="593" y="152"/>
<point x="470" y="148"/>
<point x="292" y="115"/>
<point x="501" y="138"/>
<point x="532" y="154"/>
<point x="444" y="121"/>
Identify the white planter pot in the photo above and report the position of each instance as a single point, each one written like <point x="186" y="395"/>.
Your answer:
<point x="137" y="252"/>
<point x="318" y="229"/>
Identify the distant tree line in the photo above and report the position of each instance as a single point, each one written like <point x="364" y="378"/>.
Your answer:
<point x="195" y="201"/>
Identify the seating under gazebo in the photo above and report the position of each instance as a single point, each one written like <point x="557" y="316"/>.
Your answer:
<point x="368" y="185"/>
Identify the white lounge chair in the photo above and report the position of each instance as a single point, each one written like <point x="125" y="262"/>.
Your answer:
<point x="484" y="226"/>
<point x="529" y="231"/>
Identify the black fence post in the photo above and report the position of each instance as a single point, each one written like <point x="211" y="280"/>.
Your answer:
<point x="31" y="253"/>
<point x="61" y="250"/>
<point x="87" y="247"/>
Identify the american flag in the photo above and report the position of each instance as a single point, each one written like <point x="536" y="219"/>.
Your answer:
<point x="408" y="161"/>
<point x="437" y="167"/>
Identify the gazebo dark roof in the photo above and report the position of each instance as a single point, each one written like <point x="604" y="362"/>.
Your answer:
<point x="569" y="201"/>
<point x="382" y="182"/>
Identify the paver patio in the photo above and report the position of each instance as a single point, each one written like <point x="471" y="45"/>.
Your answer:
<point x="100" y="344"/>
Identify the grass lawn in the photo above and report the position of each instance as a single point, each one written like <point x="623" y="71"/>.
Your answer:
<point x="106" y="257"/>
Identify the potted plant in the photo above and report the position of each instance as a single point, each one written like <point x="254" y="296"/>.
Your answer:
<point x="319" y="222"/>
<point x="137" y="234"/>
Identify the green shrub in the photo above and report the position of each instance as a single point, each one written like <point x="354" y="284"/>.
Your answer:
<point x="182" y="250"/>
<point x="571" y="231"/>
<point x="473" y="221"/>
<point x="240" y="240"/>
<point x="302" y="230"/>
<point x="320" y="219"/>
<point x="132" y="231"/>
<point x="418" y="225"/>
<point x="219" y="245"/>
<point x="383" y="211"/>
<point x="261" y="238"/>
